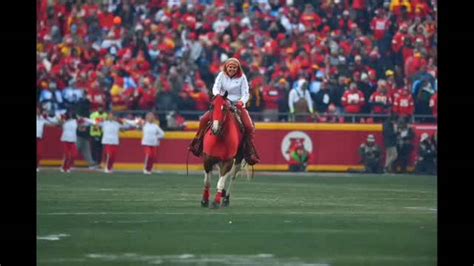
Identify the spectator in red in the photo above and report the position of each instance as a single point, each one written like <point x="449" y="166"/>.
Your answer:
<point x="200" y="95"/>
<point x="414" y="64"/>
<point x="106" y="18"/>
<point x="96" y="96"/>
<point x="380" y="100"/>
<point x="434" y="104"/>
<point x="353" y="100"/>
<point x="272" y="95"/>
<point x="380" y="25"/>
<point x="309" y="18"/>
<point x="399" y="39"/>
<point x="404" y="105"/>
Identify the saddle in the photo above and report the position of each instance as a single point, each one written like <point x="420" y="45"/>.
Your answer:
<point x="236" y="113"/>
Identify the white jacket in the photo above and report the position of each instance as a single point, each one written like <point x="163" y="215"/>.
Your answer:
<point x="151" y="134"/>
<point x="69" y="131"/>
<point x="237" y="88"/>
<point x="111" y="132"/>
<point x="296" y="94"/>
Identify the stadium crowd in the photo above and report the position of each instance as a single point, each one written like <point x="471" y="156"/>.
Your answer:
<point x="351" y="56"/>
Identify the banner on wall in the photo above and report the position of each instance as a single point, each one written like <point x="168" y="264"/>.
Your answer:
<point x="333" y="147"/>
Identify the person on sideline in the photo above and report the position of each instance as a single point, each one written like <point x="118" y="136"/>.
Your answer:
<point x="110" y="137"/>
<point x="42" y="120"/>
<point x="233" y="80"/>
<point x="69" y="124"/>
<point x="390" y="142"/>
<point x="371" y="155"/>
<point x="152" y="133"/>
<point x="96" y="135"/>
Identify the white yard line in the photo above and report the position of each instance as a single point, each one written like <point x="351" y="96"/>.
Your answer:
<point x="257" y="259"/>
<point x="54" y="237"/>
<point x="422" y="208"/>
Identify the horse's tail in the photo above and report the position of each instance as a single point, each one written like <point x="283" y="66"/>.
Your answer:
<point x="187" y="159"/>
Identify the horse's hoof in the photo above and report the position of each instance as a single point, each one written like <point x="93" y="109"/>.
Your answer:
<point x="226" y="202"/>
<point x="204" y="203"/>
<point x="215" y="205"/>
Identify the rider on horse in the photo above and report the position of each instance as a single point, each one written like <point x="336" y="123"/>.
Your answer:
<point x="233" y="80"/>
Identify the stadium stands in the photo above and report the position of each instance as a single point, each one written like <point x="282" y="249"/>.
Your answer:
<point x="164" y="55"/>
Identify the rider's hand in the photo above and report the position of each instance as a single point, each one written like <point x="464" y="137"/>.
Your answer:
<point x="240" y="105"/>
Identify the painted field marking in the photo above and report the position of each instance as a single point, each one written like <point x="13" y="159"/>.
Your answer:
<point x="257" y="259"/>
<point x="422" y="208"/>
<point x="52" y="237"/>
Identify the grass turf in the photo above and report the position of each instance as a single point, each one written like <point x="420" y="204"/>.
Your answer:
<point x="134" y="219"/>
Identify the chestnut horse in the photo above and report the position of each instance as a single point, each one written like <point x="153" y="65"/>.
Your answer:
<point x="222" y="146"/>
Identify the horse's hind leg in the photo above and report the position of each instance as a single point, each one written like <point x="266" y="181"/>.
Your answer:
<point x="232" y="176"/>
<point x="225" y="168"/>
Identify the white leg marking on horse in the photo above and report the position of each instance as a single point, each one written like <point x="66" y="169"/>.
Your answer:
<point x="215" y="125"/>
<point x="221" y="183"/>
<point x="207" y="179"/>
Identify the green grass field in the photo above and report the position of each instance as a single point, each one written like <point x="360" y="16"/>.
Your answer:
<point x="89" y="218"/>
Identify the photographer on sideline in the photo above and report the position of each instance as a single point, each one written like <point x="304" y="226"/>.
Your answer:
<point x="371" y="155"/>
<point x="426" y="163"/>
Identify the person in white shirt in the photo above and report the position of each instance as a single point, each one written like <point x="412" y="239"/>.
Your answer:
<point x="69" y="123"/>
<point x="42" y="120"/>
<point x="152" y="134"/>
<point x="300" y="97"/>
<point x="110" y="138"/>
<point x="233" y="81"/>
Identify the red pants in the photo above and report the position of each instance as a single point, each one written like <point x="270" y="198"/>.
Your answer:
<point x="70" y="153"/>
<point x="39" y="151"/>
<point x="150" y="157"/>
<point x="110" y="155"/>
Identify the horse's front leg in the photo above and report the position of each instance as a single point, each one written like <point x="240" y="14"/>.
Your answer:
<point x="225" y="168"/>
<point x="208" y="164"/>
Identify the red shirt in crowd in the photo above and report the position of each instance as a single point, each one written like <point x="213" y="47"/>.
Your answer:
<point x="148" y="98"/>
<point x="404" y="104"/>
<point x="379" y="26"/>
<point x="202" y="100"/>
<point x="271" y="96"/>
<point x="97" y="99"/>
<point x="380" y="101"/>
<point x="106" y="20"/>
<point x="353" y="100"/>
<point x="398" y="41"/>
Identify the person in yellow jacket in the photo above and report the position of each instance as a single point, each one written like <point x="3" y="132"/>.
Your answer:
<point x="396" y="5"/>
<point x="96" y="134"/>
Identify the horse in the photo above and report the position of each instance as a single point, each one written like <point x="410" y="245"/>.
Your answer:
<point x="222" y="146"/>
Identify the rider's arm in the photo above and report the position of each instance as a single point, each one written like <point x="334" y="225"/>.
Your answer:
<point x="244" y="90"/>
<point x="216" y="89"/>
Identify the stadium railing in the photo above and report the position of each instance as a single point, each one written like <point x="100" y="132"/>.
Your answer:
<point x="288" y="117"/>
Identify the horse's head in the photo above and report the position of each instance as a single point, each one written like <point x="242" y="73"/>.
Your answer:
<point x="220" y="105"/>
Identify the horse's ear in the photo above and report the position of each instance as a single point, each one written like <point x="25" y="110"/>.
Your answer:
<point x="225" y="94"/>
